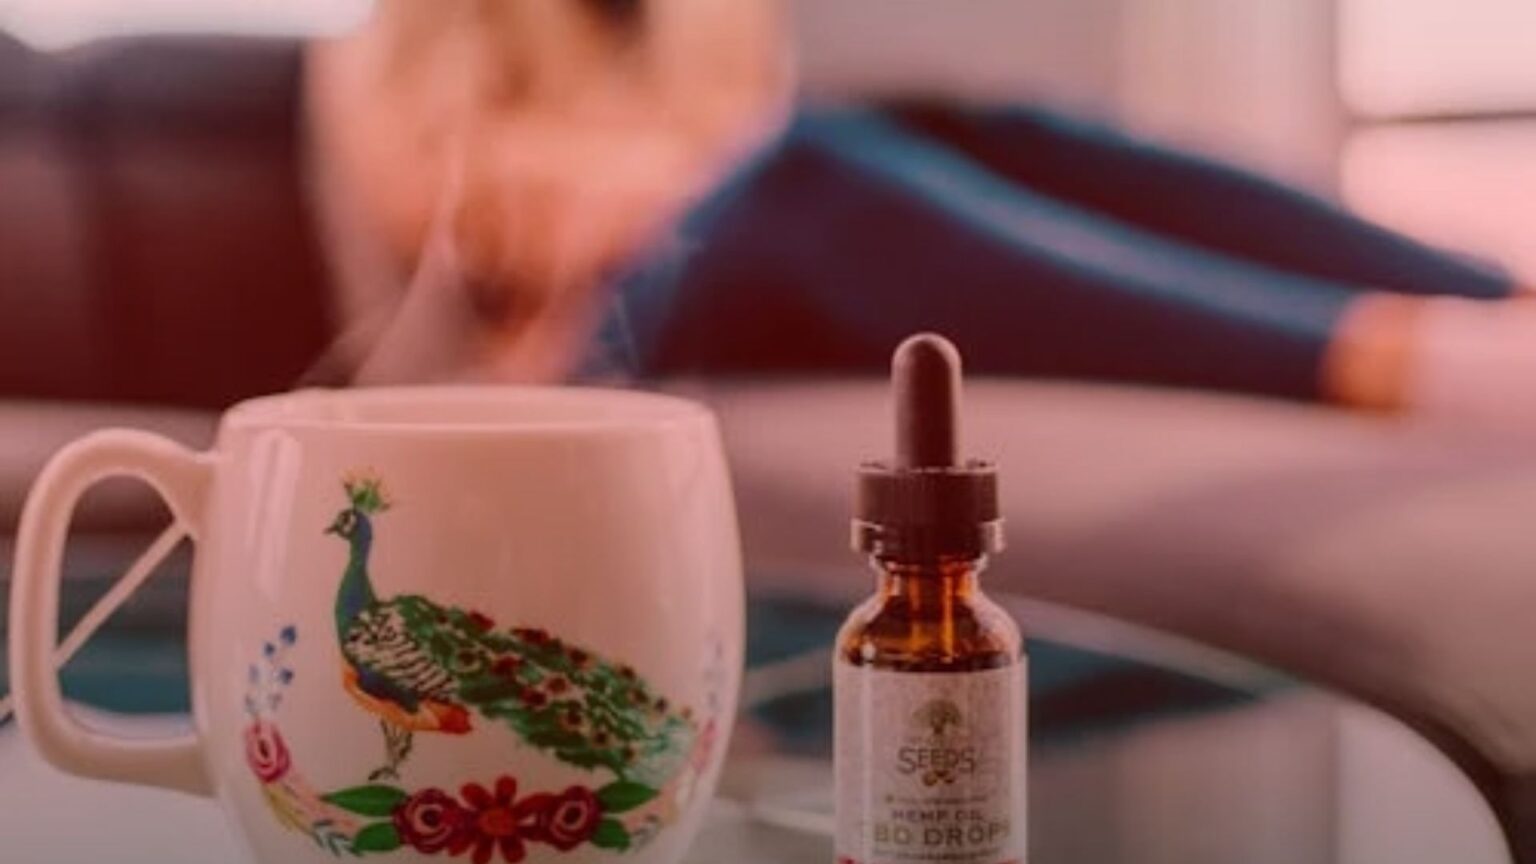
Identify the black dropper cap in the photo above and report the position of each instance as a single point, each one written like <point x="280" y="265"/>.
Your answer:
<point x="928" y="504"/>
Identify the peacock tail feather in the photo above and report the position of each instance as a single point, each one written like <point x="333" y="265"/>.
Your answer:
<point x="587" y="711"/>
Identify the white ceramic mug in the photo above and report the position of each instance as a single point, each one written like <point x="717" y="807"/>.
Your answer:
<point x="498" y="623"/>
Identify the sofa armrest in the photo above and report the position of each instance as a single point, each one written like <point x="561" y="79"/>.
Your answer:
<point x="34" y="431"/>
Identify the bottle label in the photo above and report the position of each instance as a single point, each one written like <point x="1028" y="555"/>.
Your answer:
<point x="930" y="766"/>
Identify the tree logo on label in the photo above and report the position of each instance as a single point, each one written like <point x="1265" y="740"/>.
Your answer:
<point x="939" y="717"/>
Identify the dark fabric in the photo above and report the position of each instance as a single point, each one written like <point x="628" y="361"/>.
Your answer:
<point x="163" y="179"/>
<point x="1197" y="200"/>
<point x="861" y="227"/>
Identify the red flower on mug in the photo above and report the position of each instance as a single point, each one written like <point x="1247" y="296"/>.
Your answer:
<point x="266" y="753"/>
<point x="497" y="821"/>
<point x="569" y="819"/>
<point x="431" y="821"/>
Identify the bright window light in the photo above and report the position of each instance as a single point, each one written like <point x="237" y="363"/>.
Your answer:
<point x="50" y="24"/>
<point x="1401" y="58"/>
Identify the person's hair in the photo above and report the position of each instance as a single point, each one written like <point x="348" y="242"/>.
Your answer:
<point x="550" y="138"/>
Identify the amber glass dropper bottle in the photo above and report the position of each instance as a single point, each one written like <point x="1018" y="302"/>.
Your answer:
<point x="929" y="673"/>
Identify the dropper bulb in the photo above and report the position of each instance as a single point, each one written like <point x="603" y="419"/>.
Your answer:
<point x="925" y="375"/>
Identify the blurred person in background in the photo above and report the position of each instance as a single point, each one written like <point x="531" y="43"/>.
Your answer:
<point x="558" y="189"/>
<point x="549" y="154"/>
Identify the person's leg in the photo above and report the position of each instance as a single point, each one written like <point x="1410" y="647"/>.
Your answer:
<point x="1197" y="200"/>
<point x="855" y="233"/>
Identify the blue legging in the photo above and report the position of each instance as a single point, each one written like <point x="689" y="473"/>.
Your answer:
<point x="1043" y="246"/>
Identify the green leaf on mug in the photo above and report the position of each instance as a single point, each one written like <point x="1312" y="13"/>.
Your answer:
<point x="367" y="800"/>
<point x="610" y="835"/>
<point x="623" y="796"/>
<point x="378" y="837"/>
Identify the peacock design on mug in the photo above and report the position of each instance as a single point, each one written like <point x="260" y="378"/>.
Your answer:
<point x="422" y="667"/>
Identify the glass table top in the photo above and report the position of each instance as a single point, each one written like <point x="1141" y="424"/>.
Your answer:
<point x="1132" y="760"/>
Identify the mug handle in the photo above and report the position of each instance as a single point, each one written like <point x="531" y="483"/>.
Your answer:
<point x="181" y="477"/>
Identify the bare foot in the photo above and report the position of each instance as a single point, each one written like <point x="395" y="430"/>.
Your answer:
<point x="1467" y="362"/>
<point x="1367" y="366"/>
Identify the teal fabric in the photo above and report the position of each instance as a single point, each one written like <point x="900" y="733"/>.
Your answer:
<point x="1073" y="692"/>
<point x="1042" y="246"/>
<point x="139" y="665"/>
